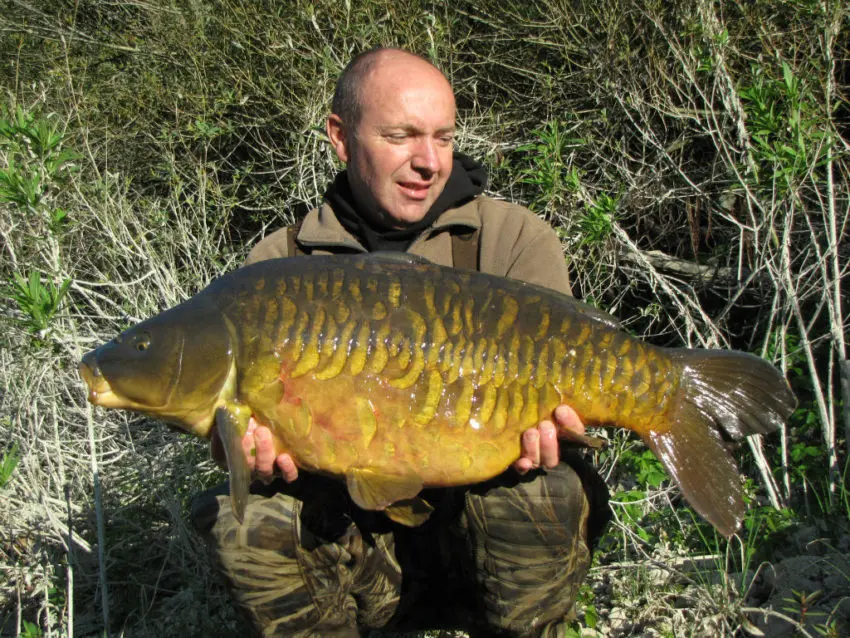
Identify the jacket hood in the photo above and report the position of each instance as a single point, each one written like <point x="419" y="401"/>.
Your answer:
<point x="468" y="179"/>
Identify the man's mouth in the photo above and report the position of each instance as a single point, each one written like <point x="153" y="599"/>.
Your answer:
<point x="415" y="190"/>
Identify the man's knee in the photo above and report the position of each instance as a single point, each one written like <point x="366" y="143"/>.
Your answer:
<point x="531" y="540"/>
<point x="269" y="522"/>
<point x="260" y="561"/>
<point x="294" y="579"/>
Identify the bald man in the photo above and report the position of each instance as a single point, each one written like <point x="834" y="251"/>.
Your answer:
<point x="501" y="558"/>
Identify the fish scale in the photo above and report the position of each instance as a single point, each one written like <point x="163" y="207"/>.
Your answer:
<point x="309" y="342"/>
<point x="395" y="374"/>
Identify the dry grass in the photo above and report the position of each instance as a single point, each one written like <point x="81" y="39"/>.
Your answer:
<point x="665" y="143"/>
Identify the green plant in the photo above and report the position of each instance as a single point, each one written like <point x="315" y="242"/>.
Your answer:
<point x="21" y="185"/>
<point x="58" y="219"/>
<point x="786" y="126"/>
<point x="586" y="600"/>
<point x="204" y="130"/>
<point x="631" y="504"/>
<point x="13" y="122"/>
<point x="8" y="463"/>
<point x="800" y="603"/>
<point x="765" y="531"/>
<point x="548" y="167"/>
<point x="23" y="129"/>
<point x="35" y="157"/>
<point x="38" y="301"/>
<point x="650" y="471"/>
<point x="30" y="630"/>
<point x="43" y="136"/>
<point x="596" y="224"/>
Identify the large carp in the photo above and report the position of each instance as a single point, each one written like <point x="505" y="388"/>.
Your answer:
<point x="398" y="374"/>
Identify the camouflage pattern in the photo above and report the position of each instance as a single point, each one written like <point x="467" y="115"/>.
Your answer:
<point x="300" y="571"/>
<point x="502" y="558"/>
<point x="531" y="544"/>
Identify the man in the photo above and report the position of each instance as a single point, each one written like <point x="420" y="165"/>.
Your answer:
<point x="501" y="558"/>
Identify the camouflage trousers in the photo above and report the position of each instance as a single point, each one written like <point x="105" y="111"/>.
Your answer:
<point x="503" y="558"/>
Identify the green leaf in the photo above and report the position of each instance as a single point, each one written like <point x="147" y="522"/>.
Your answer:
<point x="37" y="301"/>
<point x="8" y="464"/>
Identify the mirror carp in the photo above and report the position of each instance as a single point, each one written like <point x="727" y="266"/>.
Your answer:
<point x="397" y="374"/>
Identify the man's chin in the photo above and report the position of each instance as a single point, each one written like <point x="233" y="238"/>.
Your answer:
<point x="410" y="213"/>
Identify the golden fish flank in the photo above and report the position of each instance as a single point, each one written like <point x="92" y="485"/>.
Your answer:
<point x="395" y="374"/>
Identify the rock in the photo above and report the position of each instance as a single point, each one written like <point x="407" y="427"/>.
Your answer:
<point x="810" y="590"/>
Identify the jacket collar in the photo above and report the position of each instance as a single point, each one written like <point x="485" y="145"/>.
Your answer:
<point x="321" y="228"/>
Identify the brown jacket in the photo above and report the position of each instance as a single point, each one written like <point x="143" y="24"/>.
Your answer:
<point x="512" y="241"/>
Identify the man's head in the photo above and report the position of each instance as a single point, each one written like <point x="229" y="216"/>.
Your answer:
<point x="393" y="125"/>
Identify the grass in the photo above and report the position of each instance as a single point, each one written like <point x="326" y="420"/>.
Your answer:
<point x="144" y="147"/>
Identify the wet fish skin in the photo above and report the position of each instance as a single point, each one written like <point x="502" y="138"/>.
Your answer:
<point x="397" y="374"/>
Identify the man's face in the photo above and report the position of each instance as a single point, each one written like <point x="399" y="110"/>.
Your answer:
<point x="399" y="155"/>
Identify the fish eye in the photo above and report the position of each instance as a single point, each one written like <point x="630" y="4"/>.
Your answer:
<point x="143" y="343"/>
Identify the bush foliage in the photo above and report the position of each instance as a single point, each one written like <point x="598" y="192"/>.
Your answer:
<point x="693" y="158"/>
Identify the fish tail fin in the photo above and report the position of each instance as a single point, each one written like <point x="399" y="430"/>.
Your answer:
<point x="724" y="396"/>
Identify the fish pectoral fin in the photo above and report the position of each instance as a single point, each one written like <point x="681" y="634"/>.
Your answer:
<point x="231" y="421"/>
<point x="373" y="491"/>
<point x="411" y="512"/>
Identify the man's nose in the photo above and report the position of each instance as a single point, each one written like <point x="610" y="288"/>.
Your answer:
<point x="425" y="158"/>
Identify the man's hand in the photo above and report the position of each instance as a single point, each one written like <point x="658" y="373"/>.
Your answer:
<point x="259" y="451"/>
<point x="540" y="444"/>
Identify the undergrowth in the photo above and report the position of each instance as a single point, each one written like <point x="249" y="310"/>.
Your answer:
<point x="693" y="158"/>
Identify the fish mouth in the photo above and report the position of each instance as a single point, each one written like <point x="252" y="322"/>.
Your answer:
<point x="100" y="392"/>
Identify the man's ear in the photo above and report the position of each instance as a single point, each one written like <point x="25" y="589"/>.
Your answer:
<point x="337" y="135"/>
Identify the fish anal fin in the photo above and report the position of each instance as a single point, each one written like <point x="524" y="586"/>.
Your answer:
<point x="373" y="491"/>
<point x="231" y="420"/>
<point x="411" y="512"/>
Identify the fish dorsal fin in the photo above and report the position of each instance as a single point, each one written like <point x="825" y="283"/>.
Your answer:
<point x="586" y="310"/>
<point x="373" y="491"/>
<point x="411" y="512"/>
<point x="573" y="306"/>
<point x="396" y="257"/>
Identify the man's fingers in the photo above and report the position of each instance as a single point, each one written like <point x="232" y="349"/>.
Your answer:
<point x="523" y="465"/>
<point x="531" y="446"/>
<point x="530" y="455"/>
<point x="287" y="467"/>
<point x="265" y="453"/>
<point x="568" y="421"/>
<point x="549" y="449"/>
<point x="258" y="444"/>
